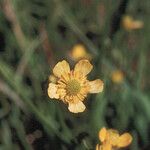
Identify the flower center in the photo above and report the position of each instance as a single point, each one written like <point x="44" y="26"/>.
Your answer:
<point x="73" y="87"/>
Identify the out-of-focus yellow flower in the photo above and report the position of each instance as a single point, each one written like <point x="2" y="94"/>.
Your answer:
<point x="79" y="52"/>
<point x="130" y="24"/>
<point x="111" y="139"/>
<point x="72" y="86"/>
<point x="117" y="76"/>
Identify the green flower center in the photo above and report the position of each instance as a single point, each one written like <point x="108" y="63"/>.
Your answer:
<point x="73" y="87"/>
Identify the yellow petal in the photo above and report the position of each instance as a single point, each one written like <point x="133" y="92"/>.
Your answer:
<point x="113" y="136"/>
<point x="106" y="146"/>
<point x="97" y="147"/>
<point x="96" y="86"/>
<point x="124" y="140"/>
<point x="102" y="134"/>
<point x="52" y="79"/>
<point x="62" y="93"/>
<point x="52" y="89"/>
<point x="83" y="67"/>
<point x="76" y="107"/>
<point x="61" y="68"/>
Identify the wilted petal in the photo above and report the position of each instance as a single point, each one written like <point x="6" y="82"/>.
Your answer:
<point x="83" y="67"/>
<point x="61" y="68"/>
<point x="96" y="86"/>
<point x="76" y="107"/>
<point x="52" y="79"/>
<point x="52" y="89"/>
<point x="124" y="140"/>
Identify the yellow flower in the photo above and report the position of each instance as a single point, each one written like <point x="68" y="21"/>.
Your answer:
<point x="79" y="52"/>
<point x="72" y="86"/>
<point x="130" y="24"/>
<point x="111" y="139"/>
<point x="117" y="76"/>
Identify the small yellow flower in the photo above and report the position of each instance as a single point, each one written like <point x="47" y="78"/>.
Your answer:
<point x="111" y="139"/>
<point x="130" y="24"/>
<point x="79" y="52"/>
<point x="72" y="86"/>
<point x="117" y="76"/>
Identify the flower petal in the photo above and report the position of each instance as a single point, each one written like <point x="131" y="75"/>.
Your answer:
<point x="76" y="107"/>
<point x="106" y="146"/>
<point x="96" y="86"/>
<point x="83" y="67"/>
<point x="61" y="68"/>
<point x="124" y="140"/>
<point x="52" y="79"/>
<point x="98" y="147"/>
<point x="113" y="136"/>
<point x="52" y="89"/>
<point x="102" y="134"/>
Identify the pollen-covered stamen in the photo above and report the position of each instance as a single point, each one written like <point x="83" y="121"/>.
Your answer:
<point x="73" y="87"/>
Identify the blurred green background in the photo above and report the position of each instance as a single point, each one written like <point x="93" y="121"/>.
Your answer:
<point x="35" y="35"/>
